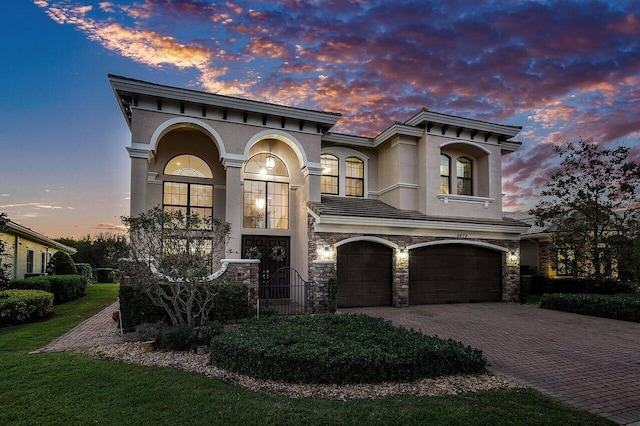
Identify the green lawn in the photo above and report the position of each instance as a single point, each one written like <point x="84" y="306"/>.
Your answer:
<point x="68" y="388"/>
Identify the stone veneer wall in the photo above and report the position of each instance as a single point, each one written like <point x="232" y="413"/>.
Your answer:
<point x="246" y="272"/>
<point x="400" y="272"/>
<point x="545" y="258"/>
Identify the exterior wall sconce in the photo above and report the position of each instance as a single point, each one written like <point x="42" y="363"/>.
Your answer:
<point x="403" y="254"/>
<point x="513" y="258"/>
<point x="326" y="252"/>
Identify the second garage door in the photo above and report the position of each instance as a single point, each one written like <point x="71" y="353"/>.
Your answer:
<point x="454" y="273"/>
<point x="364" y="274"/>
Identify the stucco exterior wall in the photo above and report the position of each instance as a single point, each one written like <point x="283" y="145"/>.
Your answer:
<point x="16" y="248"/>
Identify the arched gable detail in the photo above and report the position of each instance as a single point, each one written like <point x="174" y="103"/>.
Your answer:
<point x="463" y="242"/>
<point x="285" y="137"/>
<point x="178" y="122"/>
<point x="367" y="238"/>
<point x="462" y="142"/>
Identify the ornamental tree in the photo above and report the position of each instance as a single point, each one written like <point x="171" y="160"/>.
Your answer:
<point x="592" y="206"/>
<point x="172" y="258"/>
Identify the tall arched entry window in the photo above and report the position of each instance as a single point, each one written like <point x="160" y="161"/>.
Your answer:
<point x="266" y="200"/>
<point x="184" y="188"/>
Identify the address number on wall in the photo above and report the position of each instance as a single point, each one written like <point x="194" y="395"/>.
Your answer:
<point x="463" y="236"/>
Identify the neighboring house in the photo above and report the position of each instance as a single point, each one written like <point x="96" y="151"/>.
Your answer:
<point x="411" y="216"/>
<point x="28" y="251"/>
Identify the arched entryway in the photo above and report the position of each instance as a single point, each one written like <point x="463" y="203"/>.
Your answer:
<point x="454" y="273"/>
<point x="364" y="274"/>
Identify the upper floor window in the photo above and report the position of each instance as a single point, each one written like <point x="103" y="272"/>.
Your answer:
<point x="330" y="174"/>
<point x="445" y="174"/>
<point x="266" y="164"/>
<point x="188" y="197"/>
<point x="266" y="203"/>
<point x="464" y="176"/>
<point x="354" y="177"/>
<point x="188" y="166"/>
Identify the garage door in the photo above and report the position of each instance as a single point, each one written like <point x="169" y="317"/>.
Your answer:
<point x="454" y="273"/>
<point x="364" y="274"/>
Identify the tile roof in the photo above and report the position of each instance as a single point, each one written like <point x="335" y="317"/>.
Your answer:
<point x="370" y="208"/>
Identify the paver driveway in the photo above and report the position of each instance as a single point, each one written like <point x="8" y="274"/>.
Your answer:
<point x="590" y="363"/>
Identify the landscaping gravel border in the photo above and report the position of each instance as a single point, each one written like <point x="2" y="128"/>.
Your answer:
<point x="132" y="353"/>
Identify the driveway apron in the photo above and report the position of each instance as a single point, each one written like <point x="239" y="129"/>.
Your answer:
<point x="590" y="363"/>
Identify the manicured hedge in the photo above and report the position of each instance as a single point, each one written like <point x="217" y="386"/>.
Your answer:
<point x="85" y="269"/>
<point x="230" y="304"/>
<point x="620" y="307"/>
<point x="179" y="338"/>
<point x="64" y="287"/>
<point x="545" y="285"/>
<point x="106" y="275"/>
<point x="339" y="349"/>
<point x="18" y="306"/>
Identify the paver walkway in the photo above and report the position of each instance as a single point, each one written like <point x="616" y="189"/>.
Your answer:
<point x="100" y="329"/>
<point x="590" y="363"/>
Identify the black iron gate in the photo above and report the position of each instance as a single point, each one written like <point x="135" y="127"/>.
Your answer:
<point x="286" y="292"/>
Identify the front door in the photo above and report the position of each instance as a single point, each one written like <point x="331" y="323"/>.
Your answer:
<point x="274" y="253"/>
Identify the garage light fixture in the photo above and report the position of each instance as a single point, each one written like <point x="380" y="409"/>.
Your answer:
<point x="513" y="258"/>
<point x="403" y="254"/>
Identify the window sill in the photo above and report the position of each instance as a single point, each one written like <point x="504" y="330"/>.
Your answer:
<point x="451" y="198"/>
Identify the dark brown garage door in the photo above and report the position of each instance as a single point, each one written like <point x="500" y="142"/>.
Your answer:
<point x="364" y="274"/>
<point x="454" y="273"/>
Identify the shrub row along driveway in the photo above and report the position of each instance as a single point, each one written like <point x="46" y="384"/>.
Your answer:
<point x="590" y="363"/>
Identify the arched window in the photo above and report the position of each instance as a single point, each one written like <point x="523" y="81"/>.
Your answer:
<point x="188" y="165"/>
<point x="266" y="164"/>
<point x="189" y="197"/>
<point x="330" y="174"/>
<point x="464" y="176"/>
<point x="445" y="174"/>
<point x="354" y="177"/>
<point x="266" y="203"/>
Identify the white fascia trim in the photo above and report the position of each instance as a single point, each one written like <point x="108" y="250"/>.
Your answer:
<point x="347" y="139"/>
<point x="417" y="224"/>
<point x="221" y="101"/>
<point x="400" y="185"/>
<point x="446" y="198"/>
<point x="367" y="238"/>
<point x="463" y="242"/>
<point x="397" y="130"/>
<point x="467" y="123"/>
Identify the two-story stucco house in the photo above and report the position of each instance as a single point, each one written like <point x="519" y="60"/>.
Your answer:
<point x="411" y="216"/>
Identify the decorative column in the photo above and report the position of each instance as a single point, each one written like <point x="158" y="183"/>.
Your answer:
<point x="400" y="286"/>
<point x="234" y="202"/>
<point x="323" y="271"/>
<point x="511" y="276"/>
<point x="244" y="271"/>
<point x="139" y="166"/>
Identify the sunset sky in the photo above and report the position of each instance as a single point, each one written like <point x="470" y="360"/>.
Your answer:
<point x="560" y="69"/>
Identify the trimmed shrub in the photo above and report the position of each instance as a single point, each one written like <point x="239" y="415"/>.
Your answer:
<point x="179" y="338"/>
<point x="620" y="307"/>
<point x="230" y="305"/>
<point x="61" y="264"/>
<point x="18" y="306"/>
<point x="136" y="308"/>
<point x="339" y="349"/>
<point x="64" y="287"/>
<point x="582" y="285"/>
<point x="86" y="270"/>
<point x="67" y="287"/>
